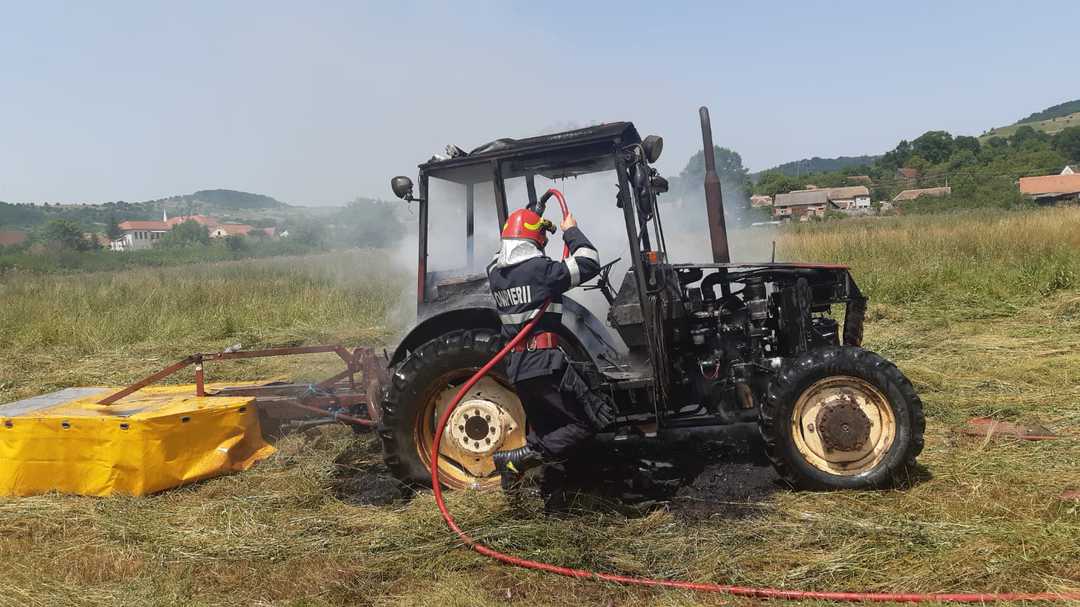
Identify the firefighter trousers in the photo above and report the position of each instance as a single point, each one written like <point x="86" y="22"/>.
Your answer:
<point x="558" y="425"/>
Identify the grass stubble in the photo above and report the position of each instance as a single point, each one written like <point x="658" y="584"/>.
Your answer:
<point x="982" y="311"/>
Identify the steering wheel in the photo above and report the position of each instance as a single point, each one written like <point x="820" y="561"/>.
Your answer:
<point x="603" y="282"/>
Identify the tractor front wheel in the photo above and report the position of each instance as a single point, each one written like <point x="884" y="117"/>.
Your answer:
<point x="489" y="418"/>
<point x="841" y="418"/>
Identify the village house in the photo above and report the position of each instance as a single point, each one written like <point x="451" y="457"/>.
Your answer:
<point x="140" y="235"/>
<point x="803" y="205"/>
<point x="1051" y="189"/>
<point x="223" y="230"/>
<point x="760" y="201"/>
<point x="1071" y="169"/>
<point x="844" y="198"/>
<point x="907" y="176"/>
<point x="850" y="198"/>
<point x="907" y="195"/>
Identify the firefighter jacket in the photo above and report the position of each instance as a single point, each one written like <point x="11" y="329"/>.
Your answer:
<point x="522" y="278"/>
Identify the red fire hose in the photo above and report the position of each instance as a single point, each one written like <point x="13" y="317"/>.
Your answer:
<point x="772" y="593"/>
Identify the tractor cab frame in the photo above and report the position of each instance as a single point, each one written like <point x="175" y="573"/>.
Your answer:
<point x="458" y="296"/>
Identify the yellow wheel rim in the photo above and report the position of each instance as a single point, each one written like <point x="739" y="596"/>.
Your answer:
<point x="490" y="418"/>
<point x="843" y="425"/>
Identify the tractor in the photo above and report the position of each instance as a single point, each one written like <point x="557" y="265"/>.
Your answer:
<point x="687" y="350"/>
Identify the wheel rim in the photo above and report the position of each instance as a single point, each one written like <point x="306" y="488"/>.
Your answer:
<point x="843" y="425"/>
<point x="489" y="418"/>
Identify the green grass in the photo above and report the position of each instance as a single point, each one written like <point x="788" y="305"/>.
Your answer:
<point x="109" y="261"/>
<point x="956" y="266"/>
<point x="982" y="311"/>
<point x="111" y="327"/>
<point x="1050" y="126"/>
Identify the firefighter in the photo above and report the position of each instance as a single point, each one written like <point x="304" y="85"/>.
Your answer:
<point x="562" y="412"/>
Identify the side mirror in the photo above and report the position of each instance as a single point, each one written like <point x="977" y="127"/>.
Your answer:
<point x="653" y="146"/>
<point x="402" y="187"/>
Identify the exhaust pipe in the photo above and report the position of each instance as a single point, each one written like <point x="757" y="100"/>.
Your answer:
<point x="714" y="198"/>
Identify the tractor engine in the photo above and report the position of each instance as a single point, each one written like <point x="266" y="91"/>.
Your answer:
<point x="736" y="332"/>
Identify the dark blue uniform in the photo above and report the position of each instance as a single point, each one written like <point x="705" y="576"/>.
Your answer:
<point x="522" y="279"/>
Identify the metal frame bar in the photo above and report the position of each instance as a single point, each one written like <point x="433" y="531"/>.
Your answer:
<point x="530" y="186"/>
<point x="422" y="243"/>
<point x="470" y="212"/>
<point x="500" y="192"/>
<point x="338" y="391"/>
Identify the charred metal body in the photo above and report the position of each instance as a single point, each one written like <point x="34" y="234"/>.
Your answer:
<point x="704" y="342"/>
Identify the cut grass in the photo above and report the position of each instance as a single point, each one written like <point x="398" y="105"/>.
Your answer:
<point x="986" y="518"/>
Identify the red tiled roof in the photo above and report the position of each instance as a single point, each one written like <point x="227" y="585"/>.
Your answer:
<point x="153" y="226"/>
<point x="841" y="193"/>
<point x="801" y="198"/>
<point x="11" y="237"/>
<point x="1050" y="184"/>
<point x="908" y="172"/>
<point x="200" y="219"/>
<point x="234" y="229"/>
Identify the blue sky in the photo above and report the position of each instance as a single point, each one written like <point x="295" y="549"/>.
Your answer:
<point x="319" y="102"/>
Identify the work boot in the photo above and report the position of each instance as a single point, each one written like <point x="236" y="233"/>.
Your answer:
<point x="553" y="489"/>
<point x="556" y="504"/>
<point x="513" y="464"/>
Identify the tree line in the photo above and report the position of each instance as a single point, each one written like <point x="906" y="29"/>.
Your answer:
<point x="981" y="173"/>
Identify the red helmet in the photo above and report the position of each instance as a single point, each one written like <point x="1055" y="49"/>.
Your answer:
<point x="525" y="224"/>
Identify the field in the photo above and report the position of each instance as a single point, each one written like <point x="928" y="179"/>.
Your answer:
<point x="982" y="311"/>
<point x="1047" y="126"/>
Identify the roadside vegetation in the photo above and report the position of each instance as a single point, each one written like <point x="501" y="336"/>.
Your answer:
<point x="982" y="312"/>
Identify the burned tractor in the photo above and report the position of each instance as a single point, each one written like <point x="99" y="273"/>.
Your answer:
<point x="696" y="348"/>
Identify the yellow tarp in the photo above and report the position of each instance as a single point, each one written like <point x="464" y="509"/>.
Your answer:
<point x="155" y="439"/>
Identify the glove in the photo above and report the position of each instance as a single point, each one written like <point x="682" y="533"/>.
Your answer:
<point x="599" y="410"/>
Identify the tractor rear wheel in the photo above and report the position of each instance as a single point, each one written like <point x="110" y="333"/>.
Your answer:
<point x="490" y="417"/>
<point x="841" y="418"/>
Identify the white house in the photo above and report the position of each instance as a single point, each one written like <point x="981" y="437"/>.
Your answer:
<point x="1071" y="169"/>
<point x="139" y="235"/>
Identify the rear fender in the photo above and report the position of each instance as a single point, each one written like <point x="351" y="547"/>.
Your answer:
<point x="582" y="327"/>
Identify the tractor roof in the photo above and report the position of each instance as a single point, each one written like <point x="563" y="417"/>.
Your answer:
<point x="554" y="156"/>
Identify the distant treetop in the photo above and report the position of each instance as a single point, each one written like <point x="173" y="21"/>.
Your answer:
<point x="818" y="165"/>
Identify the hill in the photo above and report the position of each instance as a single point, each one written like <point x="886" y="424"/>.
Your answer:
<point x="1052" y="120"/>
<point x="222" y="199"/>
<point x="818" y="165"/>
<point x="1055" y="111"/>
<point x="1049" y="126"/>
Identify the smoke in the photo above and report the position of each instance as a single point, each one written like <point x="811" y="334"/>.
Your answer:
<point x="592" y="200"/>
<point x="685" y="221"/>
